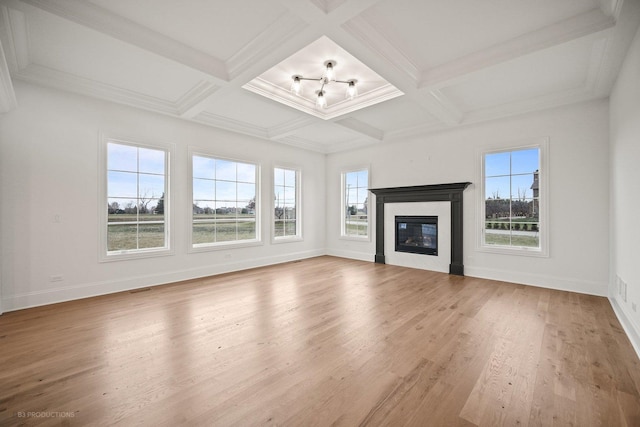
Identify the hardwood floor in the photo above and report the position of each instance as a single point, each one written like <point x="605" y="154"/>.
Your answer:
<point x="324" y="341"/>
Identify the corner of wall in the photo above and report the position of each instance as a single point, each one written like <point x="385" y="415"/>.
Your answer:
<point x="630" y="328"/>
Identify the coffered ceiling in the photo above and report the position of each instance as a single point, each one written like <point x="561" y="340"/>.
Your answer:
<point x="227" y="64"/>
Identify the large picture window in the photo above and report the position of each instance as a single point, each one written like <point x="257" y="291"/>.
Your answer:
<point x="224" y="202"/>
<point x="286" y="223"/>
<point x="136" y="200"/>
<point x="514" y="187"/>
<point x="355" y="204"/>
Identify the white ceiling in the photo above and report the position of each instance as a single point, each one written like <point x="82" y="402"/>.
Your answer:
<point x="456" y="61"/>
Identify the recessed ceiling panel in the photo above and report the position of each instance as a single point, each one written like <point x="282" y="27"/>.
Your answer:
<point x="309" y="63"/>
<point x="555" y="70"/>
<point x="218" y="28"/>
<point x="395" y="114"/>
<point x="432" y="33"/>
<point x="78" y="51"/>
<point x="242" y="105"/>
<point x="325" y="133"/>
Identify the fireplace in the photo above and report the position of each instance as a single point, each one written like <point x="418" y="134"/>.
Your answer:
<point x="424" y="193"/>
<point x="417" y="234"/>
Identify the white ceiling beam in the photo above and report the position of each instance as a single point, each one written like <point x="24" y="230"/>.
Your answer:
<point x="327" y="12"/>
<point x="107" y="22"/>
<point x="617" y="46"/>
<point x="374" y="41"/>
<point x="284" y="28"/>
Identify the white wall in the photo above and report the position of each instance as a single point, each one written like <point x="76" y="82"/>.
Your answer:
<point x="48" y="167"/>
<point x="625" y="194"/>
<point x="578" y="205"/>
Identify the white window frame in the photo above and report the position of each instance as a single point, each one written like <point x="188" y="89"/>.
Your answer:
<point x="217" y="246"/>
<point x="542" y="144"/>
<point x="103" y="217"/>
<point x="298" y="236"/>
<point x="343" y="204"/>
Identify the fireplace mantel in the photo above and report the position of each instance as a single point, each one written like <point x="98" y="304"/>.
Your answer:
<point x="424" y="193"/>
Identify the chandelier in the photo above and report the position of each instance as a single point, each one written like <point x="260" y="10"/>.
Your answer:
<point x="328" y="77"/>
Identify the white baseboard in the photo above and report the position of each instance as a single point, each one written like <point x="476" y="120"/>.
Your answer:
<point x="540" y="280"/>
<point x="631" y="329"/>
<point x="360" y="256"/>
<point x="69" y="293"/>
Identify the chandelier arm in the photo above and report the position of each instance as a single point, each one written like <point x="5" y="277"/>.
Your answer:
<point x="315" y="80"/>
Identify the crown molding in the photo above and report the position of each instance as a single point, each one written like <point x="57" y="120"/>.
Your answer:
<point x="233" y="125"/>
<point x="192" y="102"/>
<point x="545" y="102"/>
<point x="288" y="128"/>
<point x="56" y="79"/>
<point x="7" y="95"/>
<point x="296" y="141"/>
<point x="104" y="21"/>
<point x="589" y="90"/>
<point x="267" y="89"/>
<point x="15" y="38"/>
<point x="569" y="29"/>
<point x="611" y="7"/>
<point x="413" y="131"/>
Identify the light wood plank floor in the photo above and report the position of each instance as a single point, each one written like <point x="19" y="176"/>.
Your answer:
<point x="324" y="341"/>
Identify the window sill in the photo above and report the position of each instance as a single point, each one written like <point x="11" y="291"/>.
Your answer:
<point x="514" y="250"/>
<point x="207" y="247"/>
<point x="292" y="239"/>
<point x="356" y="238"/>
<point x="137" y="254"/>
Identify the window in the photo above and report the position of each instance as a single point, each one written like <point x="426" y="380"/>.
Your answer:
<point x="224" y="210"/>
<point x="286" y="224"/>
<point x="136" y="202"/>
<point x="513" y="208"/>
<point x="355" y="204"/>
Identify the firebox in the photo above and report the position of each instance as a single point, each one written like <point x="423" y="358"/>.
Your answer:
<point x="417" y="234"/>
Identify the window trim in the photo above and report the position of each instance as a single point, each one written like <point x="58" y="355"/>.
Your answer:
<point x="298" y="237"/>
<point x="343" y="174"/>
<point x="542" y="144"/>
<point x="218" y="246"/>
<point x="103" y="217"/>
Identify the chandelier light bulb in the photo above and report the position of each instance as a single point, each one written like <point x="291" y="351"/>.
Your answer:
<point x="296" y="85"/>
<point x="352" y="90"/>
<point x="330" y="73"/>
<point x="321" y="101"/>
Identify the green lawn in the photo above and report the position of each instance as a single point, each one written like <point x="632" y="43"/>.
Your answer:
<point x="513" y="240"/>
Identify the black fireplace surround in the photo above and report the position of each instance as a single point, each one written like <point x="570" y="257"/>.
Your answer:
<point x="424" y="193"/>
